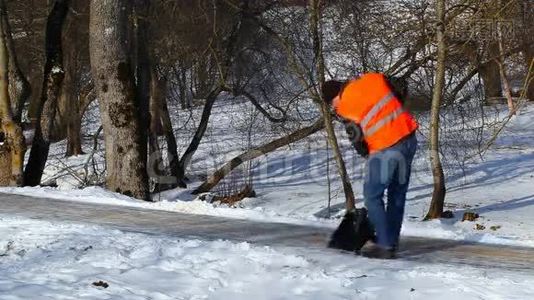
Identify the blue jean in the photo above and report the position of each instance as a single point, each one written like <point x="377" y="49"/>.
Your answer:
<point x="388" y="170"/>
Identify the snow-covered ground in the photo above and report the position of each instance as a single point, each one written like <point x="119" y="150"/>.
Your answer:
<point x="292" y="187"/>
<point x="55" y="260"/>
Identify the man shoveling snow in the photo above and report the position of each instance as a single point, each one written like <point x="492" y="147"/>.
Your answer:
<point x="384" y="133"/>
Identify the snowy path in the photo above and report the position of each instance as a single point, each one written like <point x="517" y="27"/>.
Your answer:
<point x="272" y="234"/>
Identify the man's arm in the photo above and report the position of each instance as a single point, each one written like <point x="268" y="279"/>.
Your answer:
<point x="355" y="133"/>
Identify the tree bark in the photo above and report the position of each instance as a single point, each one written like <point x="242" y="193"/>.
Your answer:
<point x="218" y="175"/>
<point x="143" y="67"/>
<point x="75" y="84"/>
<point x="315" y="17"/>
<point x="53" y="78"/>
<point x="112" y="72"/>
<point x="527" y="43"/>
<point x="161" y="124"/>
<point x="530" y="86"/>
<point x="70" y="120"/>
<point x="172" y="148"/>
<point x="491" y="75"/>
<point x="12" y="146"/>
<point x="19" y="86"/>
<point x="155" y="157"/>
<point x="86" y="96"/>
<point x="438" y="195"/>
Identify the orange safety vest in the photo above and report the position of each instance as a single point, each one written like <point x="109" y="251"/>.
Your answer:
<point x="369" y="102"/>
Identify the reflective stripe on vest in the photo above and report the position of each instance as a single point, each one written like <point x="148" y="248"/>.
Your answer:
<point x="382" y="122"/>
<point x="375" y="110"/>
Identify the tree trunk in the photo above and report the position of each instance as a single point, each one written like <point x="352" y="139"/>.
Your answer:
<point x="119" y="108"/>
<point x="172" y="148"/>
<point x="199" y="134"/>
<point x="70" y="104"/>
<point x="12" y="146"/>
<point x="160" y="124"/>
<point x="19" y="87"/>
<point x="74" y="140"/>
<point x="502" y="69"/>
<point x="491" y="75"/>
<point x="155" y="157"/>
<point x="74" y="125"/>
<point x="76" y="62"/>
<point x="438" y="195"/>
<point x="530" y="87"/>
<point x="527" y="10"/>
<point x="315" y="17"/>
<point x="143" y="67"/>
<point x="53" y="78"/>
<point x="218" y="175"/>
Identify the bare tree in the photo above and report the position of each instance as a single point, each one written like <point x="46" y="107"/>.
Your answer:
<point x="19" y="87"/>
<point x="438" y="195"/>
<point x="53" y="78"/>
<point x="222" y="53"/>
<point x="77" y="85"/>
<point x="113" y="76"/>
<point x="12" y="146"/>
<point x="315" y="18"/>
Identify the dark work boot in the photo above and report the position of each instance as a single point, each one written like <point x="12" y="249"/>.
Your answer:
<point x="375" y="251"/>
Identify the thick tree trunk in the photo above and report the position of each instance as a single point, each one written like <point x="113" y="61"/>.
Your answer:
<point x="112" y="72"/>
<point x="315" y="17"/>
<point x="218" y="175"/>
<point x="438" y="195"/>
<point x="12" y="146"/>
<point x="490" y="74"/>
<point x="53" y="78"/>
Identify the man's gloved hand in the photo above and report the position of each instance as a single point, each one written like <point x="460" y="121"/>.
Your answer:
<point x="355" y="133"/>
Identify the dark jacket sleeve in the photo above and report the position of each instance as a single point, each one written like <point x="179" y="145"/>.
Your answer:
<point x="355" y="133"/>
